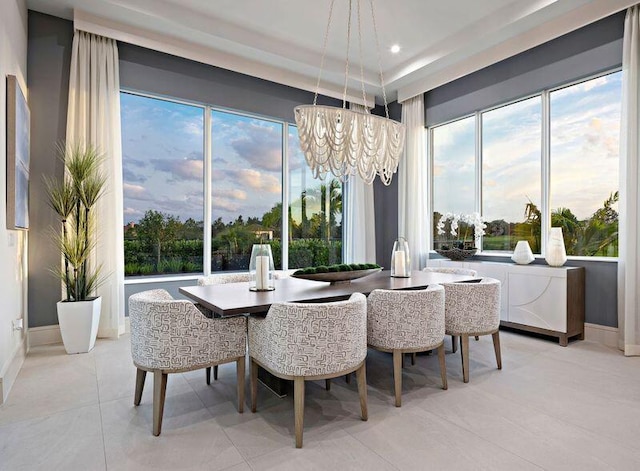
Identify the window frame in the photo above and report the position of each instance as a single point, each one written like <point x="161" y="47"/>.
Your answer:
<point x="208" y="186"/>
<point x="545" y="164"/>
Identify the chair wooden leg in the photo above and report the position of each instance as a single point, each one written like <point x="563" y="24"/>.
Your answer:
<point x="413" y="358"/>
<point x="298" y="407"/>
<point x="477" y="338"/>
<point x="496" y="347"/>
<point x="159" y="393"/>
<point x="215" y="373"/>
<point x="240" y="379"/>
<point x="454" y="343"/>
<point x="140" y="377"/>
<point x="397" y="376"/>
<point x="443" y="366"/>
<point x="327" y="384"/>
<point x="208" y="374"/>
<point x="253" y="367"/>
<point x="361" y="377"/>
<point x="464" y="353"/>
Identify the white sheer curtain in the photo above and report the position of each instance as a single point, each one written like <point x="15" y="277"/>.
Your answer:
<point x="629" y="225"/>
<point x="93" y="117"/>
<point x="413" y="184"/>
<point x="359" y="217"/>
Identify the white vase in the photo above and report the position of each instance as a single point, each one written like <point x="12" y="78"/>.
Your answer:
<point x="79" y="324"/>
<point x="556" y="254"/>
<point x="522" y="254"/>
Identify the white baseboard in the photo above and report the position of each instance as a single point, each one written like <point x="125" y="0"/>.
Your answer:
<point x="10" y="371"/>
<point x="45" y="335"/>
<point x="601" y="334"/>
<point x="50" y="334"/>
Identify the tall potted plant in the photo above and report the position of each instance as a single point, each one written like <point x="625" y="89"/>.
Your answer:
<point x="73" y="198"/>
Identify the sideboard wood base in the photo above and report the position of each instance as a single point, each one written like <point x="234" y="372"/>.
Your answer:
<point x="563" y="338"/>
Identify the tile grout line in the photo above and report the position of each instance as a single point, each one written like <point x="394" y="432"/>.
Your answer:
<point x="104" y="446"/>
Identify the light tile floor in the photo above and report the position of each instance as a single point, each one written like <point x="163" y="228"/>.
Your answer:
<point x="574" y="408"/>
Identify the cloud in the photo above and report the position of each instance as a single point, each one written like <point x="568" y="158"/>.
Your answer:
<point x="249" y="179"/>
<point x="189" y="168"/>
<point x="260" y="145"/>
<point x="231" y="193"/>
<point x="132" y="177"/>
<point x="136" y="192"/>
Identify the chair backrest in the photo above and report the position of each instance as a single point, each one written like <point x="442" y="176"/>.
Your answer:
<point x="318" y="338"/>
<point x="223" y="278"/>
<point x="452" y="270"/>
<point x="405" y="319"/>
<point x="173" y="335"/>
<point x="472" y="308"/>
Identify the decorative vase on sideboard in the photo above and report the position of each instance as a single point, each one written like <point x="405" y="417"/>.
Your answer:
<point x="556" y="254"/>
<point x="522" y="254"/>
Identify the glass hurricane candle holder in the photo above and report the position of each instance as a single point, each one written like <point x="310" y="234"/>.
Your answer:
<point x="261" y="268"/>
<point x="400" y="259"/>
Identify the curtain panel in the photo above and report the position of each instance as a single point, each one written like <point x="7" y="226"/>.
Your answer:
<point x="93" y="117"/>
<point x="629" y="217"/>
<point x="413" y="184"/>
<point x="359" y="223"/>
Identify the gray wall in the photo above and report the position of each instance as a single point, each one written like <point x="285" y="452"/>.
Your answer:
<point x="582" y="53"/>
<point x="48" y="61"/>
<point x="162" y="74"/>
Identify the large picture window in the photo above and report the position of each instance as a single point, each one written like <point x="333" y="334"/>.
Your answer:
<point x="585" y="149"/>
<point x="170" y="148"/>
<point x="546" y="161"/>
<point x="511" y="180"/>
<point x="162" y="163"/>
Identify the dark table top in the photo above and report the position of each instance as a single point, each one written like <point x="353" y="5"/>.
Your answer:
<point x="235" y="298"/>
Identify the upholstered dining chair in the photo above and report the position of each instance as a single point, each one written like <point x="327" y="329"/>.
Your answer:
<point x="453" y="271"/>
<point x="310" y="341"/>
<point x="407" y="322"/>
<point x="473" y="309"/>
<point x="172" y="336"/>
<point x="219" y="279"/>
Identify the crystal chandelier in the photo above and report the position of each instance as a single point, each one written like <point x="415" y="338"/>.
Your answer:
<point x="343" y="141"/>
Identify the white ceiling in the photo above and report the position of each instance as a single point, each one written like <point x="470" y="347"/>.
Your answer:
<point x="281" y="40"/>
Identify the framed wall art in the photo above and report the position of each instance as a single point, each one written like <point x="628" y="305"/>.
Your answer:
<point x="18" y="119"/>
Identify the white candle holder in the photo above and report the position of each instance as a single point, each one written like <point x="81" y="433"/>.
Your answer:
<point x="400" y="259"/>
<point x="261" y="268"/>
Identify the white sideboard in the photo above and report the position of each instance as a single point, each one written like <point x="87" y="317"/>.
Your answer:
<point x="535" y="298"/>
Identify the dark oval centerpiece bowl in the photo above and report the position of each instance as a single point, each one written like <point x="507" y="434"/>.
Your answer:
<point x="335" y="274"/>
<point x="457" y="254"/>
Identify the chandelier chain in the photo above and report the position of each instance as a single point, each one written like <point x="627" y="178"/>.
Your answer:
<point x="364" y="93"/>
<point x="324" y="52"/>
<point x="346" y="65"/>
<point x="375" y="34"/>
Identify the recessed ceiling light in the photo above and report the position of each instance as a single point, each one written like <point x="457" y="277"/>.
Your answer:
<point x="395" y="49"/>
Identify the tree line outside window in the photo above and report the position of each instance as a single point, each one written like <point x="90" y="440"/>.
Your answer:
<point x="202" y="185"/>
<point x="550" y="160"/>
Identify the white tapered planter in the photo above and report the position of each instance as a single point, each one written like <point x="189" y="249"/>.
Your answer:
<point x="79" y="324"/>
<point x="556" y="252"/>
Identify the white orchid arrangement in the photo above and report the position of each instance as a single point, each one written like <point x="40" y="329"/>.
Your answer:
<point x="473" y="226"/>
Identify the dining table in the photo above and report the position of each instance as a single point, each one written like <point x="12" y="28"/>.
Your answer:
<point x="231" y="299"/>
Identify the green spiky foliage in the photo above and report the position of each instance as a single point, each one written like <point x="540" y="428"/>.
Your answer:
<point x="73" y="198"/>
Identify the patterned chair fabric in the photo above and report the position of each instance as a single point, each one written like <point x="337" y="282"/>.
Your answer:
<point x="406" y="319"/>
<point x="299" y="339"/>
<point x="172" y="335"/>
<point x="452" y="270"/>
<point x="472" y="308"/>
<point x="223" y="278"/>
